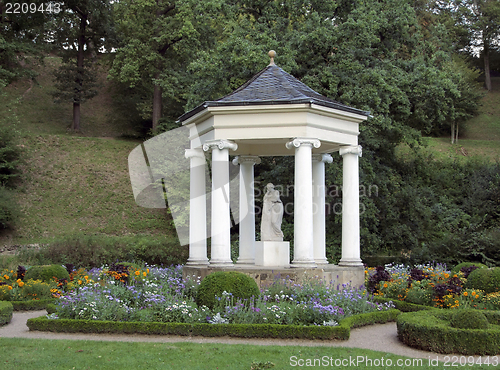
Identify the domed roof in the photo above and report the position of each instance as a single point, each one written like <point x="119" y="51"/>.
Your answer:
<point x="271" y="86"/>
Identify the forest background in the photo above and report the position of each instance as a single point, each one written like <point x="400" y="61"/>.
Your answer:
<point x="84" y="82"/>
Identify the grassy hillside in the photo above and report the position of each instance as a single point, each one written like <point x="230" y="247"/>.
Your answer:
<point x="480" y="136"/>
<point x="78" y="182"/>
<point x="75" y="182"/>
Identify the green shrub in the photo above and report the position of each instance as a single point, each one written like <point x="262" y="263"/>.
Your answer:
<point x="46" y="273"/>
<point x="6" y="309"/>
<point x="469" y="319"/>
<point x="457" y="268"/>
<point x="238" y="284"/>
<point x="487" y="280"/>
<point x="432" y="331"/>
<point x="90" y="251"/>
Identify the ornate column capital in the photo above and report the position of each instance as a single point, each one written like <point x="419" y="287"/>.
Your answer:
<point x="298" y="141"/>
<point x="194" y="153"/>
<point x="326" y="158"/>
<point x="219" y="144"/>
<point x="252" y="159"/>
<point x="355" y="149"/>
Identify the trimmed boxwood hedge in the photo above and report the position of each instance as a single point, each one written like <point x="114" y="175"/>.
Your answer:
<point x="5" y="312"/>
<point x="431" y="331"/>
<point x="341" y="331"/>
<point x="404" y="306"/>
<point x="32" y="305"/>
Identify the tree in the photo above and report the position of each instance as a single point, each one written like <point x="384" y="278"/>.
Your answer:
<point x="81" y="29"/>
<point x="22" y="40"/>
<point x="158" y="38"/>
<point x="481" y="21"/>
<point x="377" y="56"/>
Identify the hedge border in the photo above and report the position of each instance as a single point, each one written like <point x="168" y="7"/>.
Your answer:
<point x="404" y="306"/>
<point x="6" y="310"/>
<point x="430" y="331"/>
<point x="342" y="331"/>
<point x="32" y="305"/>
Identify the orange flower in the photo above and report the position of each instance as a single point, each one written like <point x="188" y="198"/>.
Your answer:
<point x="466" y="294"/>
<point x="137" y="273"/>
<point x="446" y="276"/>
<point x="10" y="288"/>
<point x="20" y="283"/>
<point x="79" y="282"/>
<point x="385" y="285"/>
<point x="144" y="273"/>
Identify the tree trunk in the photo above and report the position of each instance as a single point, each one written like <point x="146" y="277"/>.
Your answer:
<point x="456" y="133"/>
<point x="452" y="132"/>
<point x="487" y="77"/>
<point x="157" y="105"/>
<point x="79" y="74"/>
<point x="76" y="117"/>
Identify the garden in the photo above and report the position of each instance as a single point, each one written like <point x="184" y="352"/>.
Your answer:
<point x="127" y="298"/>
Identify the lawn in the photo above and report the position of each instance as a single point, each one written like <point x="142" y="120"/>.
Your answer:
<point x="80" y="354"/>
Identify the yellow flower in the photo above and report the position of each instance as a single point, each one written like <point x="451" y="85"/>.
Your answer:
<point x="6" y="277"/>
<point x="144" y="273"/>
<point x="466" y="294"/>
<point x="86" y="277"/>
<point x="147" y="271"/>
<point x="10" y="288"/>
<point x="137" y="273"/>
<point x="474" y="293"/>
<point x="20" y="283"/>
<point x="79" y="282"/>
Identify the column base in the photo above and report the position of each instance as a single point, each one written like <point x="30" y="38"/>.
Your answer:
<point x="304" y="264"/>
<point x="193" y="262"/>
<point x="350" y="262"/>
<point x="220" y="263"/>
<point x="321" y="262"/>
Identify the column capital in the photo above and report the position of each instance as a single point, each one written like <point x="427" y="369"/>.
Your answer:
<point x="354" y="149"/>
<point x="219" y="144"/>
<point x="252" y="159"/>
<point x="326" y="158"/>
<point x="298" y="141"/>
<point x="194" y="153"/>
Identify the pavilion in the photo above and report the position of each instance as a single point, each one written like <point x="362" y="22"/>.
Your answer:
<point x="273" y="114"/>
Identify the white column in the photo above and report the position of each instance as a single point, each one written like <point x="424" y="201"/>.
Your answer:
<point x="319" y="229"/>
<point x="350" y="207"/>
<point x="197" y="208"/>
<point x="221" y="219"/>
<point x="247" y="208"/>
<point x="303" y="208"/>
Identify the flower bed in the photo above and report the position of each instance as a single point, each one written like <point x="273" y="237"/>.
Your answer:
<point x="152" y="294"/>
<point x="342" y="331"/>
<point x="429" y="285"/>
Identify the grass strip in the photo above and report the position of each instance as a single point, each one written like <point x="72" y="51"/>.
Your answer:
<point x="80" y="354"/>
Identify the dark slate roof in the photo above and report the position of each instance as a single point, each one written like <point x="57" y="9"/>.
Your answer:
<point x="272" y="85"/>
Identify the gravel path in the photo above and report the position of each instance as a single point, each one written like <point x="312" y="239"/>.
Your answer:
<point x="380" y="337"/>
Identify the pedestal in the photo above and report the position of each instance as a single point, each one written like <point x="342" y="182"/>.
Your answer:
<point x="271" y="253"/>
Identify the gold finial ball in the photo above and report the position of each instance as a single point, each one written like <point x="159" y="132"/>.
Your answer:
<point x="272" y="54"/>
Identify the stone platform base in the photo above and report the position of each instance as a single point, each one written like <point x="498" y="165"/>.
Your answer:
<point x="271" y="253"/>
<point x="338" y="276"/>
